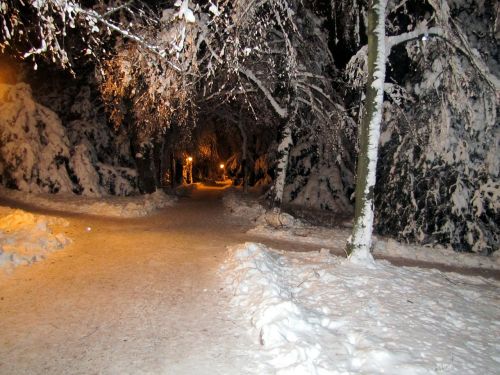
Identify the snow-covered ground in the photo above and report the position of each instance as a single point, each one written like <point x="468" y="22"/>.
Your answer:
<point x="112" y="206"/>
<point x="283" y="226"/>
<point x="163" y="295"/>
<point x="314" y="313"/>
<point x="26" y="238"/>
<point x="237" y="205"/>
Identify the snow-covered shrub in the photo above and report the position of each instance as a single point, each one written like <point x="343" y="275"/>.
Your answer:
<point x="38" y="153"/>
<point x="439" y="164"/>
<point x="117" y="180"/>
<point x="34" y="148"/>
<point x="315" y="180"/>
<point x="111" y="168"/>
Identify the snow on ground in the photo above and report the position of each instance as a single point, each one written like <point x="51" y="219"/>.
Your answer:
<point x="238" y="205"/>
<point x="112" y="206"/>
<point x="26" y="238"/>
<point x="314" y="313"/>
<point x="336" y="238"/>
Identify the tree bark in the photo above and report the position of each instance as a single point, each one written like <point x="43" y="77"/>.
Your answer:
<point x="244" y="161"/>
<point x="358" y="247"/>
<point x="284" y="151"/>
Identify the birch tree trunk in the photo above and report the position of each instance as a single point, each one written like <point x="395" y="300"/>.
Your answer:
<point x="358" y="247"/>
<point x="284" y="151"/>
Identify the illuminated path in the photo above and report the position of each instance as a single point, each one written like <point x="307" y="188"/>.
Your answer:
<point x="133" y="296"/>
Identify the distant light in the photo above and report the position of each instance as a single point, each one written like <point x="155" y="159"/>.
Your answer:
<point x="221" y="166"/>
<point x="425" y="37"/>
<point x="190" y="158"/>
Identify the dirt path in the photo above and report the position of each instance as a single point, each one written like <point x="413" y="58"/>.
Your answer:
<point x="132" y="296"/>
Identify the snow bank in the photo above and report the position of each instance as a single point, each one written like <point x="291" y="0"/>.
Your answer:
<point x="237" y="205"/>
<point x="26" y="238"/>
<point x="336" y="238"/>
<point x="435" y="254"/>
<point x="112" y="206"/>
<point x="314" y="313"/>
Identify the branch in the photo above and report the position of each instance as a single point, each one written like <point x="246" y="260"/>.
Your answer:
<point x="128" y="35"/>
<point x="438" y="32"/>
<point x="282" y="112"/>
<point x="418" y="33"/>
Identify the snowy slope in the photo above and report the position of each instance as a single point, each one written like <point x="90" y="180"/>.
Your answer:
<point x="314" y="313"/>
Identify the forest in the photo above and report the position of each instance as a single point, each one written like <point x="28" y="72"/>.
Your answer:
<point x="232" y="187"/>
<point x="113" y="97"/>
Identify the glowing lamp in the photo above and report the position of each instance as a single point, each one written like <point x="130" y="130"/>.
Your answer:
<point x="221" y="166"/>
<point x="190" y="158"/>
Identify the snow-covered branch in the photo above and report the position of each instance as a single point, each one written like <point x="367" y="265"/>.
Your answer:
<point x="419" y="33"/>
<point x="282" y="112"/>
<point x="424" y="33"/>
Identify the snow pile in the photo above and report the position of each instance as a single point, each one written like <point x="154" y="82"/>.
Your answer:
<point x="336" y="239"/>
<point x="241" y="207"/>
<point x="26" y="238"/>
<point x="314" y="313"/>
<point x="112" y="206"/>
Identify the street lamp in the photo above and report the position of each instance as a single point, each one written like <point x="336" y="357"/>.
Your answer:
<point x="221" y="166"/>
<point x="189" y="174"/>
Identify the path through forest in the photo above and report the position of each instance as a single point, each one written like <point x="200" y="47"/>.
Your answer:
<point x="130" y="296"/>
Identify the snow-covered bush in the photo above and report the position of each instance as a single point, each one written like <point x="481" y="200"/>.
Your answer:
<point x="439" y="164"/>
<point x="34" y="148"/>
<point x="315" y="180"/>
<point x="39" y="154"/>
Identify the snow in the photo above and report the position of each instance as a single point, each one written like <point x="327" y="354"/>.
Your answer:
<point x="238" y="206"/>
<point x="38" y="153"/>
<point x="163" y="295"/>
<point x="26" y="238"/>
<point x="185" y="12"/>
<point x="285" y="227"/>
<point x="314" y="313"/>
<point x="336" y="240"/>
<point x="111" y="206"/>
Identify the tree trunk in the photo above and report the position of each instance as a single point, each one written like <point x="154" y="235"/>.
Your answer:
<point x="173" y="171"/>
<point x="244" y="161"/>
<point x="358" y="247"/>
<point x="284" y="152"/>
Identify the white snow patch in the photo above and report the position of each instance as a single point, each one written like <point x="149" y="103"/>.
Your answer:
<point x="111" y="206"/>
<point x="314" y="313"/>
<point x="26" y="238"/>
